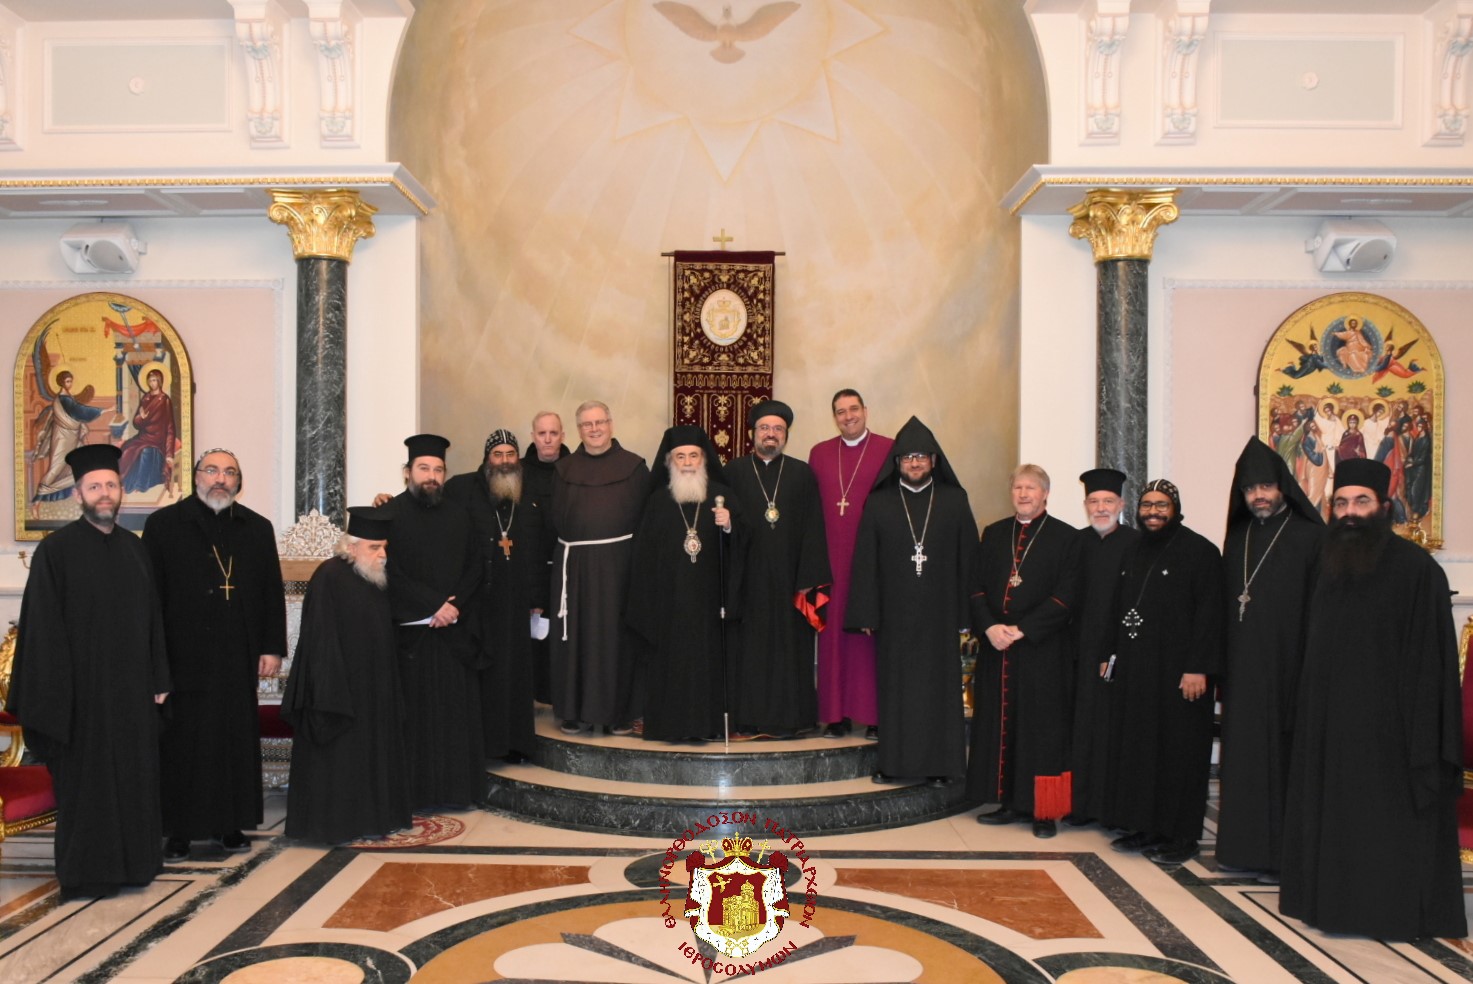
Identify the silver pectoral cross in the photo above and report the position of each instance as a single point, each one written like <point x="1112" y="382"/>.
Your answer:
<point x="920" y="558"/>
<point x="1243" y="600"/>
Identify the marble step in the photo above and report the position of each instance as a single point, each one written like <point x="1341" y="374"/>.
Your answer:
<point x="585" y="802"/>
<point x="748" y="763"/>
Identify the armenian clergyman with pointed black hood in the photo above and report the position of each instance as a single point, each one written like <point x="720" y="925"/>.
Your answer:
<point x="1371" y="815"/>
<point x="1269" y="561"/>
<point x="914" y="573"/>
<point x="687" y="551"/>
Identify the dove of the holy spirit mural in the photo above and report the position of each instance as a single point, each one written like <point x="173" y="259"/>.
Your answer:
<point x="726" y="33"/>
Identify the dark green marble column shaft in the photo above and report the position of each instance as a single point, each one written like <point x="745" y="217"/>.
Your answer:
<point x="1121" y="419"/>
<point x="322" y="388"/>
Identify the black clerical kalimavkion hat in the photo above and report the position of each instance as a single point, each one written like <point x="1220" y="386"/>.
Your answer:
<point x="679" y="436"/>
<point x="426" y="446"/>
<point x="368" y="523"/>
<point x="1103" y="480"/>
<point x="769" y="408"/>
<point x="1364" y="472"/>
<point x="93" y="457"/>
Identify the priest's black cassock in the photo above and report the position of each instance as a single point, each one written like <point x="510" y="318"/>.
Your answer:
<point x="434" y="556"/>
<point x="537" y="476"/>
<point x="596" y="504"/>
<point x="917" y="618"/>
<point x="1161" y="743"/>
<point x="1100" y="560"/>
<point x="1370" y="829"/>
<point x="1272" y="562"/>
<point x="785" y="574"/>
<point x="211" y="750"/>
<point x="1023" y="695"/>
<point x="514" y="581"/>
<point x="88" y="661"/>
<point x="349" y="772"/>
<point x="675" y="605"/>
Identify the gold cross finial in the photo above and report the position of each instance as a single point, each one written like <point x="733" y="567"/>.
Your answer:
<point x="722" y="239"/>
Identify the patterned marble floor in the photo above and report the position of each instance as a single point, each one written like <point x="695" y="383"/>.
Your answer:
<point x="481" y="897"/>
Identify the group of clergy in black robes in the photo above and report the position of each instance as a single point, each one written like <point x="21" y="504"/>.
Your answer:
<point x="136" y="669"/>
<point x="1341" y="728"/>
<point x="1341" y="725"/>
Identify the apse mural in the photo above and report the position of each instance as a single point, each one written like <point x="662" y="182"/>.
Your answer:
<point x="570" y="145"/>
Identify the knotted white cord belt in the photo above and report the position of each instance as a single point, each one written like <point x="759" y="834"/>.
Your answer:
<point x="562" y="608"/>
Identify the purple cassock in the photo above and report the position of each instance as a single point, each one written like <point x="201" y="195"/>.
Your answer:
<point x="846" y="661"/>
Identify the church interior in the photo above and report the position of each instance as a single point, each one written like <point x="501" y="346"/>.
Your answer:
<point x="987" y="214"/>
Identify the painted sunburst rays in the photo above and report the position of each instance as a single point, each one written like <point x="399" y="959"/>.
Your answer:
<point x="768" y="61"/>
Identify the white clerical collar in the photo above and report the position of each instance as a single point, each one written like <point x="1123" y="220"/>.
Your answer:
<point x="912" y="488"/>
<point x="857" y="441"/>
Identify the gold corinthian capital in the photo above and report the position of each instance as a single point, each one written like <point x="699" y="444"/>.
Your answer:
<point x="1121" y="225"/>
<point x="322" y="224"/>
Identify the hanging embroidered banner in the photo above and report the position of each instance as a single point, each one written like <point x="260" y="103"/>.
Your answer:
<point x="723" y="342"/>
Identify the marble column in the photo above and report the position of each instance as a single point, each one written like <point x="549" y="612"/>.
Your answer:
<point x="1121" y="227"/>
<point x="324" y="226"/>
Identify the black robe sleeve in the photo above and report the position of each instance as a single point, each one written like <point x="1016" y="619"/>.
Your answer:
<point x="863" y="611"/>
<point x="318" y="702"/>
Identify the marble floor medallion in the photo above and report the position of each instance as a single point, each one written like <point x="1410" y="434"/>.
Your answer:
<point x="426" y="830"/>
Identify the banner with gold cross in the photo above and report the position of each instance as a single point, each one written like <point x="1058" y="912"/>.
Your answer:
<point x="723" y="342"/>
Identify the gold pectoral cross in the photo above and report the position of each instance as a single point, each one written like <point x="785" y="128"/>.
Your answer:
<point x="225" y="571"/>
<point x="843" y="504"/>
<point x="505" y="544"/>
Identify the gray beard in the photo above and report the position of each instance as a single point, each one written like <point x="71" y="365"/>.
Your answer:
<point x="374" y="575"/>
<point x="1104" y="527"/>
<point x="505" y="484"/>
<point x="688" y="488"/>
<point x="212" y="506"/>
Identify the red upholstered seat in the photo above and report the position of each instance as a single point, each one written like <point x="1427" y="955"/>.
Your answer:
<point x="7" y="718"/>
<point x="271" y="721"/>
<point x="26" y="792"/>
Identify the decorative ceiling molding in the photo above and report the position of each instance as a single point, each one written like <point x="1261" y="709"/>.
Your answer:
<point x="1184" y="26"/>
<point x="335" y="25"/>
<point x="1452" y="43"/>
<point x="1104" y="35"/>
<point x="261" y="28"/>
<point x="1047" y="189"/>
<point x="162" y="193"/>
<point x="10" y="81"/>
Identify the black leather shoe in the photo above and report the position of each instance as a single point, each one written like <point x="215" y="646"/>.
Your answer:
<point x="999" y="817"/>
<point x="513" y="758"/>
<point x="937" y="780"/>
<point x="872" y="733"/>
<point x="176" y="849"/>
<point x="835" y="730"/>
<point x="1268" y="878"/>
<point x="1045" y="829"/>
<point x="881" y="778"/>
<point x="1075" y="820"/>
<point x="1172" y="852"/>
<point x="235" y="842"/>
<point x="1138" y="841"/>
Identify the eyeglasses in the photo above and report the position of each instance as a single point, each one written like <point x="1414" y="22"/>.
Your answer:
<point x="1155" y="507"/>
<point x="586" y="424"/>
<point x="210" y="471"/>
<point x="915" y="457"/>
